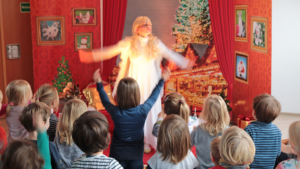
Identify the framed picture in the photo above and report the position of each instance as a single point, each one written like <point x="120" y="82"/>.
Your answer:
<point x="241" y="23"/>
<point x="84" y="16"/>
<point x="259" y="34"/>
<point x="241" y="67"/>
<point x="83" y="41"/>
<point x="50" y="30"/>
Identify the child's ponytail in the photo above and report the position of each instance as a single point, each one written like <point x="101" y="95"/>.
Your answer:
<point x="184" y="111"/>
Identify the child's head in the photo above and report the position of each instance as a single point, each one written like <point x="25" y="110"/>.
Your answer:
<point x="215" y="114"/>
<point x="22" y="154"/>
<point x="128" y="93"/>
<point x="236" y="147"/>
<point x="214" y="150"/>
<point x="175" y="104"/>
<point x="294" y="134"/>
<point x="91" y="132"/>
<point x="174" y="140"/>
<point x="73" y="110"/>
<point x="32" y="109"/>
<point x="48" y="95"/>
<point x="18" y="93"/>
<point x="266" y="108"/>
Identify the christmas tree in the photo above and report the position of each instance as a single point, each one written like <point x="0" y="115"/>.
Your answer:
<point x="63" y="77"/>
<point x="194" y="25"/>
<point x="222" y="94"/>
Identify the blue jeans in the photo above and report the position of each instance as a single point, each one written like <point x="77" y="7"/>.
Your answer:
<point x="132" y="164"/>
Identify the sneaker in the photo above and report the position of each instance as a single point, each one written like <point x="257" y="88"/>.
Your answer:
<point x="147" y="148"/>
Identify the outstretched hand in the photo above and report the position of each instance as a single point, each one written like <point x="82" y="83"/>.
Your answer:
<point x="97" y="77"/>
<point x="86" y="56"/>
<point x="166" y="74"/>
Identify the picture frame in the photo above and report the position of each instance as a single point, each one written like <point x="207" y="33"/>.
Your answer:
<point x="50" y="30"/>
<point x="84" y="16"/>
<point x="241" y="23"/>
<point x="83" y="41"/>
<point x="259" y="34"/>
<point x="241" y="67"/>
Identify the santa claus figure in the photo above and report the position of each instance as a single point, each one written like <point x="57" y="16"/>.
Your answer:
<point x="242" y="70"/>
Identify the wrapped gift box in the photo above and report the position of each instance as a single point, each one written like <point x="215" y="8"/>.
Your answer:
<point x="243" y="121"/>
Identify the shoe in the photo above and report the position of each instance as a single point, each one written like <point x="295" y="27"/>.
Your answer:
<point x="147" y="148"/>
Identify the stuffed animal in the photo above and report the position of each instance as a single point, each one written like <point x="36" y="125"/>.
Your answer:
<point x="242" y="70"/>
<point x="51" y="32"/>
<point x="87" y="18"/>
<point x="242" y="25"/>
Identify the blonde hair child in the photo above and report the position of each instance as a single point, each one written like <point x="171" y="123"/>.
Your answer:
<point x="173" y="145"/>
<point x="19" y="95"/>
<point x="294" y="141"/>
<point x="48" y="94"/>
<point x="68" y="150"/>
<point x="237" y="148"/>
<point x="216" y="119"/>
<point x="174" y="104"/>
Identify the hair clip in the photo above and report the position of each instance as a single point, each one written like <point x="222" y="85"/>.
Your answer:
<point x="11" y="103"/>
<point x="167" y="97"/>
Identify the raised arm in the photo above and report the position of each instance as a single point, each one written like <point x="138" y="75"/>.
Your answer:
<point x="106" y="53"/>
<point x="103" y="96"/>
<point x="174" y="56"/>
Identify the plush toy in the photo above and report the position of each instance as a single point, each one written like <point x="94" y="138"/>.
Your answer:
<point x="242" y="70"/>
<point x="83" y="43"/>
<point x="242" y="25"/>
<point x="51" y="32"/>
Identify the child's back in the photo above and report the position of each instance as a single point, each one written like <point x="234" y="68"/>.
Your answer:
<point x="19" y="94"/>
<point x="265" y="135"/>
<point x="217" y="120"/>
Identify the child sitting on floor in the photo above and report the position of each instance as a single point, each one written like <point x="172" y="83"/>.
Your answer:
<point x="19" y="95"/>
<point x="91" y="134"/>
<point x="48" y="94"/>
<point x="294" y="141"/>
<point x="26" y="117"/>
<point x="216" y="119"/>
<point x="215" y="153"/>
<point x="237" y="149"/>
<point x="174" y="104"/>
<point x="64" y="142"/>
<point x="173" y="146"/>
<point x="265" y="110"/>
<point x="129" y="118"/>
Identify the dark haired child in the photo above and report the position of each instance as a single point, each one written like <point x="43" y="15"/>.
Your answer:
<point x="129" y="118"/>
<point x="26" y="119"/>
<point x="265" y="134"/>
<point x="91" y="134"/>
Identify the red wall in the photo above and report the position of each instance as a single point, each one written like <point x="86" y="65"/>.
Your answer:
<point x="259" y="63"/>
<point x="45" y="58"/>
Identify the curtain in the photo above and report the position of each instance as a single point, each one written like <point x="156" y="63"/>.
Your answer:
<point x="222" y="22"/>
<point x="114" y="12"/>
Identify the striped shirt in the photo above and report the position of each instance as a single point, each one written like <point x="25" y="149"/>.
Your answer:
<point x="97" y="161"/>
<point x="267" y="140"/>
<point x="52" y="128"/>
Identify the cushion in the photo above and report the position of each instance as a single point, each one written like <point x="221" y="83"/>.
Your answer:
<point x="92" y="96"/>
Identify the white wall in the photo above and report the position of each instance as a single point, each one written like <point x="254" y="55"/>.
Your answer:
<point x="286" y="54"/>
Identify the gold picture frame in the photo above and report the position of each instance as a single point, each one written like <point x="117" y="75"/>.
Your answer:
<point x="50" y="30"/>
<point x="241" y="67"/>
<point x="241" y="23"/>
<point x="83" y="41"/>
<point x="259" y="34"/>
<point x="84" y="16"/>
